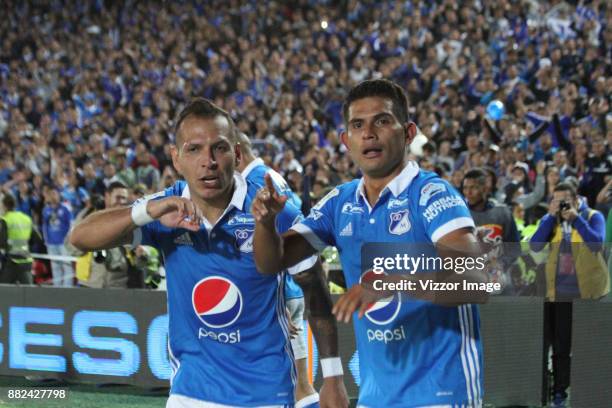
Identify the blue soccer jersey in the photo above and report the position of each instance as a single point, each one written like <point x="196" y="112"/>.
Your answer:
<point x="411" y="353"/>
<point x="255" y="172"/>
<point x="228" y="332"/>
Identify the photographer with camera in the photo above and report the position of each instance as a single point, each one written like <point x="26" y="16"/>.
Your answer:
<point x="107" y="268"/>
<point x="575" y="269"/>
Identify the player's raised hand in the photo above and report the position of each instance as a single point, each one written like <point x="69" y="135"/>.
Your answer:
<point x="176" y="212"/>
<point x="267" y="203"/>
<point x="358" y="298"/>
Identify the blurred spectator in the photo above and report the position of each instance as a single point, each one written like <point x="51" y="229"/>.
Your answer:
<point x="106" y="268"/>
<point x="73" y="99"/>
<point x="495" y="225"/>
<point x="56" y="224"/>
<point x="575" y="268"/>
<point x="16" y="231"/>
<point x="146" y="172"/>
<point x="598" y="168"/>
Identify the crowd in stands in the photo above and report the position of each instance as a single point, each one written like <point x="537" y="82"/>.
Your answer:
<point x="89" y="91"/>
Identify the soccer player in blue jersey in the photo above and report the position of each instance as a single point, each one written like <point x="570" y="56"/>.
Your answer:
<point x="412" y="353"/>
<point x="307" y="272"/>
<point x="228" y="332"/>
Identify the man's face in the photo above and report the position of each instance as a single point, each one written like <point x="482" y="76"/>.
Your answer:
<point x="545" y="142"/>
<point x="54" y="197"/>
<point x="375" y="138"/>
<point x="599" y="147"/>
<point x="473" y="191"/>
<point x="472" y="142"/>
<point x="560" y="158"/>
<point x="566" y="196"/>
<point x="518" y="175"/>
<point x="118" y="197"/>
<point x="206" y="157"/>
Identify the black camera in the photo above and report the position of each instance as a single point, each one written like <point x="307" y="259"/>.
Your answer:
<point x="99" y="256"/>
<point x="564" y="205"/>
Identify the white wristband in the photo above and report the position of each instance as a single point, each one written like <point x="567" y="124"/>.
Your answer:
<point x="140" y="216"/>
<point x="331" y="367"/>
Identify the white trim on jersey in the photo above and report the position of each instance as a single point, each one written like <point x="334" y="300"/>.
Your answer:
<point x="452" y="225"/>
<point x="310" y="236"/>
<point x="237" y="201"/>
<point x="257" y="162"/>
<point x="281" y="313"/>
<point x="303" y="265"/>
<point x="182" y="401"/>
<point x="175" y="364"/>
<point x="397" y="185"/>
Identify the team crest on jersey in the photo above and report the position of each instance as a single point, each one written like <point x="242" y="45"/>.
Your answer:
<point x="400" y="223"/>
<point x="430" y="190"/>
<point x="396" y="203"/>
<point x="350" y="208"/>
<point x="244" y="239"/>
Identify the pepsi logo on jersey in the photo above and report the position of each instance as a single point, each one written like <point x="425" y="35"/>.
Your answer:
<point x="383" y="312"/>
<point x="217" y="302"/>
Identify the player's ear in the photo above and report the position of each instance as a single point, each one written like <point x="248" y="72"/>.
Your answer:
<point x="410" y="131"/>
<point x="344" y="139"/>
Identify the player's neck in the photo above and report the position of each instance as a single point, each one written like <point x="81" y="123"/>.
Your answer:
<point x="245" y="160"/>
<point x="374" y="185"/>
<point x="212" y="209"/>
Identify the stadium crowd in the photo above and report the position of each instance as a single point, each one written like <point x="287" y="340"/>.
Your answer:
<point x="89" y="91"/>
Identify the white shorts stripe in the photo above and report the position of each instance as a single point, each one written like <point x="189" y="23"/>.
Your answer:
<point x="470" y="315"/>
<point x="464" y="361"/>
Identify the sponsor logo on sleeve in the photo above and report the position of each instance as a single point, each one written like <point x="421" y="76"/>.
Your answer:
<point x="430" y="190"/>
<point x="315" y="214"/>
<point x="441" y="205"/>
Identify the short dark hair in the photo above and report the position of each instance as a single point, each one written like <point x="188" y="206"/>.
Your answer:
<point x="8" y="201"/>
<point x="382" y="88"/>
<point x="565" y="186"/>
<point x="114" y="186"/>
<point x="476" y="174"/>
<point x="205" y="109"/>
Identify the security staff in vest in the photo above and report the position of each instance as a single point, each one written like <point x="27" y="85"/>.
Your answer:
<point x="15" y="233"/>
<point x="575" y="269"/>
